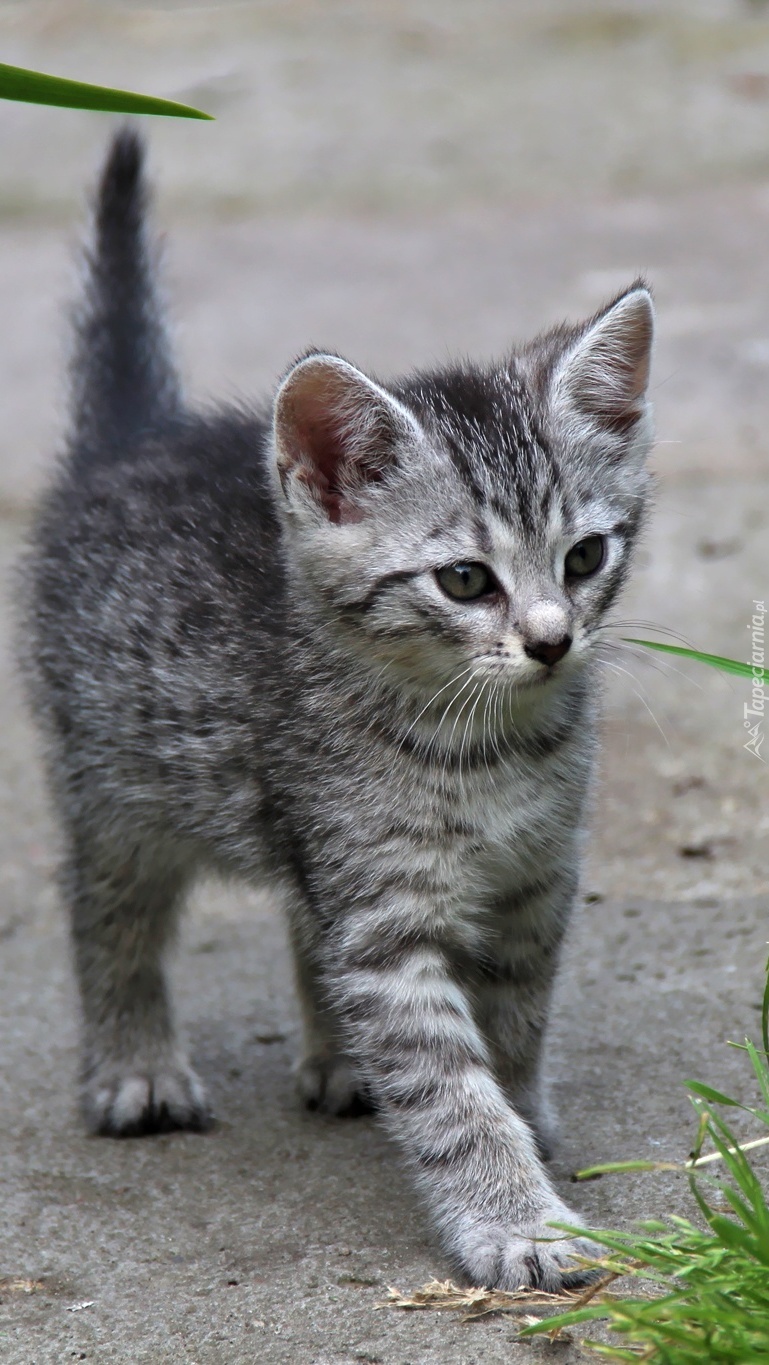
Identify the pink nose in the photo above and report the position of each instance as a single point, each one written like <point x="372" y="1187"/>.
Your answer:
<point x="546" y="653"/>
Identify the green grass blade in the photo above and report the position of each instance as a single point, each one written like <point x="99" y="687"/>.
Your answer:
<point x="33" y="87"/>
<point x="762" y="1076"/>
<point x="706" y="1092"/>
<point x="733" y="1157"/>
<point x="765" y="1013"/>
<point x="758" y="675"/>
<point x="612" y="1167"/>
<point x="565" y="1319"/>
<point x="716" y="1097"/>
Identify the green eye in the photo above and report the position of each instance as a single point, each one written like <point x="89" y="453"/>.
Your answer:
<point x="586" y="557"/>
<point x="464" y="582"/>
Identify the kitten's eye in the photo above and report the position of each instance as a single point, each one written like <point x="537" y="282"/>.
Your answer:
<point x="586" y="557"/>
<point x="465" y="581"/>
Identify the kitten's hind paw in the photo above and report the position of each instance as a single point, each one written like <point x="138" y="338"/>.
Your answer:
<point x="132" y="1102"/>
<point x="330" y="1085"/>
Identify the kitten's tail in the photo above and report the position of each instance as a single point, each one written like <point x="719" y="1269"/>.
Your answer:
<point x="123" y="382"/>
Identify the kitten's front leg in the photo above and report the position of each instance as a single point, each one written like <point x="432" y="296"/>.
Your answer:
<point x="513" y="980"/>
<point x="411" y="1027"/>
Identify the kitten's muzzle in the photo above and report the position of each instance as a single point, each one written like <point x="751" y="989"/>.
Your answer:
<point x="548" y="652"/>
<point x="545" y="630"/>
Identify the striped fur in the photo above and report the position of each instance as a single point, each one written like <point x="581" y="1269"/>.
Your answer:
<point x="241" y="658"/>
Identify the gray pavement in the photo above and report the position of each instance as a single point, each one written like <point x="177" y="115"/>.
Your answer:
<point x="400" y="183"/>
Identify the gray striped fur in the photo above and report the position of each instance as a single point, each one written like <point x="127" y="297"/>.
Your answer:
<point x="241" y="659"/>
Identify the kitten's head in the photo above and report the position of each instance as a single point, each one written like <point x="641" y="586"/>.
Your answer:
<point x="471" y="518"/>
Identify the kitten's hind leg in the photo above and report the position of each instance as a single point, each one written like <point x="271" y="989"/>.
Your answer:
<point x="326" y="1079"/>
<point x="135" y="1077"/>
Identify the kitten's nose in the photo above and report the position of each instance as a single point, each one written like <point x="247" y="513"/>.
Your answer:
<point x="548" y="652"/>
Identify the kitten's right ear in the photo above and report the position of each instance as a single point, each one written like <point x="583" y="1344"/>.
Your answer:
<point x="336" y="433"/>
<point x="604" y="375"/>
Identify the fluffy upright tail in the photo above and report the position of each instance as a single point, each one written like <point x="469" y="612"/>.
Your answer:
<point x="124" y="385"/>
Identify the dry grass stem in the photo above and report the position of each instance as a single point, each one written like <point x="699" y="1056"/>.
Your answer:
<point x="477" y="1303"/>
<point x="15" y="1284"/>
<point x="719" y="1156"/>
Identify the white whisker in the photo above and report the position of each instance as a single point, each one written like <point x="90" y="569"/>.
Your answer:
<point x="465" y="703"/>
<point x="617" y="668"/>
<point x="660" y="664"/>
<point x="433" y="699"/>
<point x="477" y="693"/>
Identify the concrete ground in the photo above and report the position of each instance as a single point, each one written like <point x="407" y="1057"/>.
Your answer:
<point x="401" y="183"/>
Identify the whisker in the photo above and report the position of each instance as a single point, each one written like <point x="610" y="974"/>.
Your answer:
<point x="500" y="697"/>
<point x="447" y="708"/>
<point x="617" y="668"/>
<point x="612" y="645"/>
<point x="645" y="625"/>
<point x="487" y="730"/>
<point x="433" y="699"/>
<point x="477" y="694"/>
<point x="466" y="702"/>
<point x="663" y="665"/>
<point x="488" y="723"/>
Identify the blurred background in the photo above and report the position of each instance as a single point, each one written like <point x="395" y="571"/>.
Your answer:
<point x="407" y="181"/>
<point x="403" y="181"/>
<point x="414" y="178"/>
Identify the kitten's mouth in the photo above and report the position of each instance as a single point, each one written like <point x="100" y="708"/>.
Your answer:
<point x="540" y="679"/>
<point x="528" y="682"/>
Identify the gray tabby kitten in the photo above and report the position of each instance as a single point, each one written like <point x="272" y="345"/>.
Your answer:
<point x="345" y="645"/>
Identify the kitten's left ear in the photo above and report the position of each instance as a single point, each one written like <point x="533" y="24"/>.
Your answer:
<point x="336" y="433"/>
<point x="604" y="375"/>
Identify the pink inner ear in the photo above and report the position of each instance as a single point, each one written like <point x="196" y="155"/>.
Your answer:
<point x="324" y="458"/>
<point x="312" y="436"/>
<point x="334" y="432"/>
<point x="321" y="444"/>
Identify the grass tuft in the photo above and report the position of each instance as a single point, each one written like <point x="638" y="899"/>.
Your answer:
<point x="703" y="1290"/>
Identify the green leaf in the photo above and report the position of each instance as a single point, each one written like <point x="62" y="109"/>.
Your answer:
<point x="715" y="1096"/>
<point x="32" y="87"/>
<point x="759" y="675"/>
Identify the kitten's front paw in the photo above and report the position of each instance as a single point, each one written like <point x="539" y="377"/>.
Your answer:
<point x="330" y="1084"/>
<point x="532" y="1256"/>
<point x="131" y="1102"/>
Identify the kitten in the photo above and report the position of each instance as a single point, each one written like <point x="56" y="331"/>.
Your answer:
<point x="347" y="646"/>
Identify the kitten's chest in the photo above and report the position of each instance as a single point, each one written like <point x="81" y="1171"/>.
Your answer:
<point x="516" y="822"/>
<point x="519" y="821"/>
